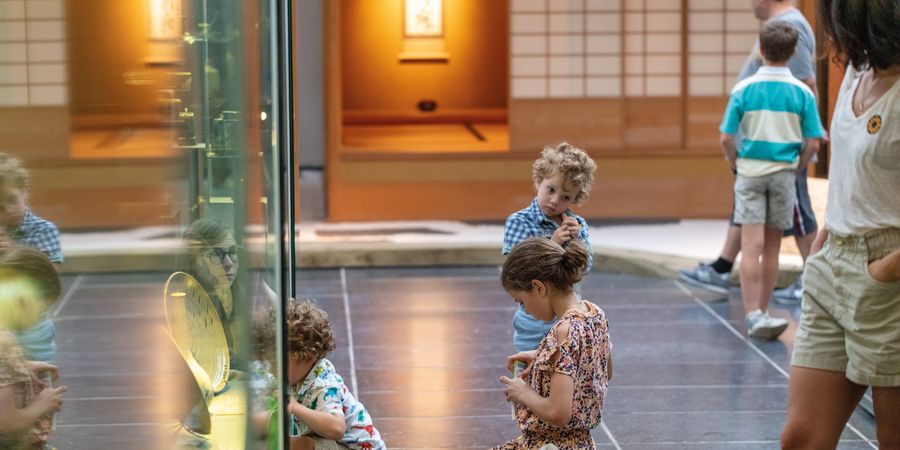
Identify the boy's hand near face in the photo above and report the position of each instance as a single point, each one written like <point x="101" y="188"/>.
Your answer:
<point x="569" y="229"/>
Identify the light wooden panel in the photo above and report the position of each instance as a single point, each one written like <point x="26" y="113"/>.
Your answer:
<point x="636" y="126"/>
<point x="704" y="114"/>
<point x="653" y="124"/>
<point x="595" y="124"/>
<point x="35" y="133"/>
<point x="92" y="195"/>
<point x="698" y="187"/>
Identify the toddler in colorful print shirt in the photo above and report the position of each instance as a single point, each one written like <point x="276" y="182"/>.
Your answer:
<point x="326" y="414"/>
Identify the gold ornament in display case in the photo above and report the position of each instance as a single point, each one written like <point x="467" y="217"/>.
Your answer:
<point x="196" y="329"/>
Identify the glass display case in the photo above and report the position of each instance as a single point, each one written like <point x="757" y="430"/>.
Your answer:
<point x="155" y="137"/>
<point x="226" y="118"/>
<point x="209" y="110"/>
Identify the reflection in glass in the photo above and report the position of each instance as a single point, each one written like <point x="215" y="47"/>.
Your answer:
<point x="150" y="144"/>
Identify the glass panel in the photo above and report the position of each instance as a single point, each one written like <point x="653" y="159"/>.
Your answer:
<point x="147" y="132"/>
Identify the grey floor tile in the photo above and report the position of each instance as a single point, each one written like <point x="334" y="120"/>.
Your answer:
<point x="696" y="399"/>
<point x="150" y="436"/>
<point x="426" y="379"/>
<point x="423" y="355"/>
<point x="124" y="278"/>
<point x="677" y="343"/>
<point x="651" y="373"/>
<point x="437" y="404"/>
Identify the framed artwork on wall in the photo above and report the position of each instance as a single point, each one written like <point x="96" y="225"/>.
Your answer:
<point x="423" y="18"/>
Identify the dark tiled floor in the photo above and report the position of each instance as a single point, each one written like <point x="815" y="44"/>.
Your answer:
<point x="427" y="348"/>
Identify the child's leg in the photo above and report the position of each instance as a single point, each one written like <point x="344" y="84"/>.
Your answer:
<point x="769" y="265"/>
<point x="752" y="243"/>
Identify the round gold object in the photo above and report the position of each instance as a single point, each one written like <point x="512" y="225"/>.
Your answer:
<point x="874" y="124"/>
<point x="196" y="328"/>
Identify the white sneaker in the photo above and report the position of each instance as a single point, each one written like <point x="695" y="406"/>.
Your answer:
<point x="763" y="326"/>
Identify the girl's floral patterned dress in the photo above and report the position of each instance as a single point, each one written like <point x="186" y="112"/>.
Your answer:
<point x="585" y="357"/>
<point x="14" y="373"/>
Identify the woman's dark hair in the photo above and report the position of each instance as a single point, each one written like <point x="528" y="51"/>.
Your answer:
<point x="539" y="258"/>
<point x="206" y="233"/>
<point x="862" y="32"/>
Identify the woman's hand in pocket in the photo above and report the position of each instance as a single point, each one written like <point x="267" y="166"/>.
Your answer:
<point x="887" y="269"/>
<point x="819" y="241"/>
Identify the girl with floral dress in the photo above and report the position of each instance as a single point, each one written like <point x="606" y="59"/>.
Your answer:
<point x="560" y="394"/>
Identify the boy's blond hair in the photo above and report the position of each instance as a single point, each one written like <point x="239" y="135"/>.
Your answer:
<point x="309" y="332"/>
<point x="12" y="171"/>
<point x="574" y="164"/>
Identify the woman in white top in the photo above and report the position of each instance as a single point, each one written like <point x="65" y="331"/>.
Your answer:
<point x="849" y="333"/>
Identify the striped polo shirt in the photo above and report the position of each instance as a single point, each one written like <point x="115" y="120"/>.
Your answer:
<point x="775" y="112"/>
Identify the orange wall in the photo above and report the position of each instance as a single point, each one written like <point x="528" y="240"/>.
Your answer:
<point x="475" y="33"/>
<point x="108" y="46"/>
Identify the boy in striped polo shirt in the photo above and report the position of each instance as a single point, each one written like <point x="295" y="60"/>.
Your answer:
<point x="777" y="115"/>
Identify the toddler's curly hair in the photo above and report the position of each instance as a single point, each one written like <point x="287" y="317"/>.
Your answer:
<point x="309" y="332"/>
<point x="574" y="164"/>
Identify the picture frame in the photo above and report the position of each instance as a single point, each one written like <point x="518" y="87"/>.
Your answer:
<point x="423" y="18"/>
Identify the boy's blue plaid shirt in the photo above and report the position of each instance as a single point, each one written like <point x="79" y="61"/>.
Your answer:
<point x="531" y="222"/>
<point x="39" y="234"/>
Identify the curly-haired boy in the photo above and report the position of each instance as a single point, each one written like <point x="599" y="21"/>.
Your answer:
<point x="326" y="412"/>
<point x="563" y="177"/>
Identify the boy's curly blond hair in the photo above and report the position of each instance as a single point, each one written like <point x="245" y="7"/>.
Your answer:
<point x="309" y="332"/>
<point x="576" y="167"/>
<point x="12" y="171"/>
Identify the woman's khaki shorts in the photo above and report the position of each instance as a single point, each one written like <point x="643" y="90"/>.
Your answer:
<point x="851" y="323"/>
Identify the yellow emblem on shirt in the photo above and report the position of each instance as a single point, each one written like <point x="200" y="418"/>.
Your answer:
<point x="874" y="124"/>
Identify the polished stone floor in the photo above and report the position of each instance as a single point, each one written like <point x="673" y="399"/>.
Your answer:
<point x="423" y="349"/>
